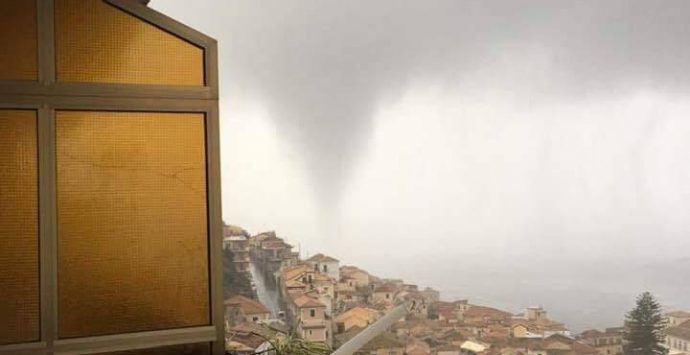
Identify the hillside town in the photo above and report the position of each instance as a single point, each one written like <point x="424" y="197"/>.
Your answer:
<point x="324" y="300"/>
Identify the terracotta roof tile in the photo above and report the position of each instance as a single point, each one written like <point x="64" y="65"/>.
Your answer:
<point x="305" y="301"/>
<point x="248" y="305"/>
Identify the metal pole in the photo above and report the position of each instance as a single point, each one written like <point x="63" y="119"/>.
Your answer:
<point x="372" y="331"/>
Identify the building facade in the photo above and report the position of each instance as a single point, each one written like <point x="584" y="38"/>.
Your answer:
<point x="608" y="342"/>
<point x="678" y="338"/>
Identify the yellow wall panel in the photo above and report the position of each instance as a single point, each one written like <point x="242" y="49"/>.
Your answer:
<point x="97" y="42"/>
<point x="19" y="266"/>
<point x="18" y="40"/>
<point x="132" y="222"/>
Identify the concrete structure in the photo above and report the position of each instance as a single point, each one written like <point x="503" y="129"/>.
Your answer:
<point x="384" y="293"/>
<point x="361" y="278"/>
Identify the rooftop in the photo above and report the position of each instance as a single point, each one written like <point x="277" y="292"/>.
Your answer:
<point x="384" y="341"/>
<point x="321" y="258"/>
<point x="483" y="311"/>
<point x="679" y="314"/>
<point x="681" y="331"/>
<point x="247" y="305"/>
<point x="306" y="301"/>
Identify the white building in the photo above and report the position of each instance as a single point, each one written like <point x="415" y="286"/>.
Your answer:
<point x="325" y="264"/>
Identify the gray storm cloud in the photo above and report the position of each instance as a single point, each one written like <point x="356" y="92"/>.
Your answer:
<point x="323" y="68"/>
<point x="533" y="151"/>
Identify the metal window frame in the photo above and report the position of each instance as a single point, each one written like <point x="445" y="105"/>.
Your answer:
<point x="46" y="96"/>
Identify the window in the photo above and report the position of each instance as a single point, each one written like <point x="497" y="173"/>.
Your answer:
<point x="255" y="319"/>
<point x="19" y="278"/>
<point x="312" y="313"/>
<point x="325" y="268"/>
<point x="388" y="295"/>
<point x="118" y="171"/>
<point x="126" y="188"/>
<point x="91" y="48"/>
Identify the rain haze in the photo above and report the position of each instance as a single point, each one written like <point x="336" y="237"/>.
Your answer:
<point x="513" y="153"/>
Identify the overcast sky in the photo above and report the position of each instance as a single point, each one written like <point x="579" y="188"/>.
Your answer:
<point x="390" y="130"/>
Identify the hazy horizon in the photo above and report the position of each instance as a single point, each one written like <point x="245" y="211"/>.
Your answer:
<point x="514" y="153"/>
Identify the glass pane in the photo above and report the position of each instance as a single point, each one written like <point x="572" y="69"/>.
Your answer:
<point x="19" y="270"/>
<point x="97" y="42"/>
<point x="18" y="40"/>
<point x="185" y="349"/>
<point x="132" y="225"/>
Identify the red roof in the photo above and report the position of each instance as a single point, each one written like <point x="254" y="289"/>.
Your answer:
<point x="305" y="301"/>
<point x="247" y="305"/>
<point x="486" y="312"/>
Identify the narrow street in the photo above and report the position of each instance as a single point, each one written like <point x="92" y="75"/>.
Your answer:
<point x="267" y="294"/>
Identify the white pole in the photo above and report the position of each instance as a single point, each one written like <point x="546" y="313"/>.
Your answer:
<point x="372" y="331"/>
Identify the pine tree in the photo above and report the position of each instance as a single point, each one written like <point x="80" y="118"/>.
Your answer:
<point x="644" y="327"/>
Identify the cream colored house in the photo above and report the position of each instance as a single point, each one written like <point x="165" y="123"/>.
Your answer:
<point x="678" y="338"/>
<point x="677" y="318"/>
<point x="522" y="330"/>
<point x="384" y="293"/>
<point x="312" y="324"/>
<point x="325" y="264"/>
<point x="358" y="316"/>
<point x="609" y="342"/>
<point x="240" y="309"/>
<point x="361" y="278"/>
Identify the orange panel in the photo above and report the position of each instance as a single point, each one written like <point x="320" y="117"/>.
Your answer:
<point x="132" y="222"/>
<point x="19" y="265"/>
<point x="97" y="42"/>
<point x="18" y="40"/>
